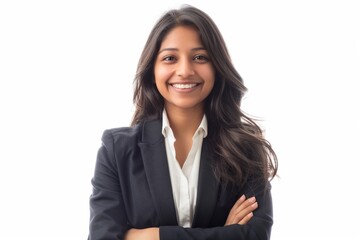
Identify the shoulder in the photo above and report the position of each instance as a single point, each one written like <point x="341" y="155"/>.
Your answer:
<point x="131" y="135"/>
<point x="121" y="135"/>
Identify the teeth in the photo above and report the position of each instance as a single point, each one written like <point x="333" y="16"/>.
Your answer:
<point x="183" y="86"/>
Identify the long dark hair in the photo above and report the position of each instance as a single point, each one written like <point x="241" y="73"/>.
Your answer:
<point x="241" y="150"/>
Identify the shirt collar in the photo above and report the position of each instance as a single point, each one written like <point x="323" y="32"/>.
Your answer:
<point x="166" y="125"/>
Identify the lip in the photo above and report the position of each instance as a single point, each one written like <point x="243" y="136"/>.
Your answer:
<point x="184" y="86"/>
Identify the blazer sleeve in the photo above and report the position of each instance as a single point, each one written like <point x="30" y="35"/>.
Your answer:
<point x="107" y="212"/>
<point x="258" y="228"/>
<point x="108" y="218"/>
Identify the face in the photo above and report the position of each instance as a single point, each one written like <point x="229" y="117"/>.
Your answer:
<point x="183" y="72"/>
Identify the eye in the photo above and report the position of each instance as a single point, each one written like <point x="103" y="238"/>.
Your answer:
<point x="168" y="59"/>
<point x="201" y="58"/>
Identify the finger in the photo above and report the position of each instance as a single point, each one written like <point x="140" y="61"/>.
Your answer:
<point x="246" y="219"/>
<point x="244" y="212"/>
<point x="237" y="204"/>
<point x="239" y="201"/>
<point x="240" y="211"/>
<point x="245" y="205"/>
<point x="230" y="219"/>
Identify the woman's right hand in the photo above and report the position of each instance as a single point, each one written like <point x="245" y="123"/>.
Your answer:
<point x="242" y="211"/>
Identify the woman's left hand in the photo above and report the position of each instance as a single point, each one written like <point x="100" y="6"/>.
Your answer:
<point x="242" y="211"/>
<point x="143" y="234"/>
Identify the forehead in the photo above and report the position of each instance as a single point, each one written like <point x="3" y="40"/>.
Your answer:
<point x="182" y="35"/>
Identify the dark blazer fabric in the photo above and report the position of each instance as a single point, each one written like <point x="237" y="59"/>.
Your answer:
<point x="132" y="189"/>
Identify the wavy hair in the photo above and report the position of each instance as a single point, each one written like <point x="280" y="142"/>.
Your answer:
<point x="242" y="152"/>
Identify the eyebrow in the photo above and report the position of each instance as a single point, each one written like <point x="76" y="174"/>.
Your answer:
<point x="176" y="49"/>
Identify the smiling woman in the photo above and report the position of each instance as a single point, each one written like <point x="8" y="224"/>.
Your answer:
<point x="184" y="76"/>
<point x="66" y="70"/>
<point x="192" y="165"/>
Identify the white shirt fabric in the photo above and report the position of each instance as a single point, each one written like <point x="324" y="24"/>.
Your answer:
<point x="184" y="181"/>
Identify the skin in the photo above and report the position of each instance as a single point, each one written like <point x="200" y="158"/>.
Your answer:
<point x="184" y="77"/>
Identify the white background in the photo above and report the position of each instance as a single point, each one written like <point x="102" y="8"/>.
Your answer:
<point x="66" y="71"/>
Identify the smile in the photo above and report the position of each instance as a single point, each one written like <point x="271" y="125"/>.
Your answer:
<point x="184" y="86"/>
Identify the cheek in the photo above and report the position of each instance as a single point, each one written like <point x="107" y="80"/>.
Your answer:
<point x="209" y="75"/>
<point x="160" y="79"/>
<point x="161" y="74"/>
<point x="210" y="86"/>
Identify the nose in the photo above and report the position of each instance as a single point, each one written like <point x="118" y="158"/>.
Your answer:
<point x="185" y="68"/>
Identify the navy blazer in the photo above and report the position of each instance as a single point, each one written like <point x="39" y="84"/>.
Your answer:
<point x="132" y="189"/>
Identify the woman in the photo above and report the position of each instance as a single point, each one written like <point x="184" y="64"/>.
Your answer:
<point x="192" y="165"/>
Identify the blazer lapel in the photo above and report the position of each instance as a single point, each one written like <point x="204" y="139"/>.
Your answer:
<point x="208" y="188"/>
<point x="157" y="171"/>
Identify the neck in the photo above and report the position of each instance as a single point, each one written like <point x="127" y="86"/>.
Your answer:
<point x="184" y="121"/>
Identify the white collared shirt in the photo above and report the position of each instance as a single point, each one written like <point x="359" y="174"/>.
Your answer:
<point x="184" y="181"/>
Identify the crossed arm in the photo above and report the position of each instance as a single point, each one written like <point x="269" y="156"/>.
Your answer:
<point x="240" y="213"/>
<point x="247" y="219"/>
